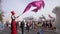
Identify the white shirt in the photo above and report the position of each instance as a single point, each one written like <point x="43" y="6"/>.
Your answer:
<point x="13" y="17"/>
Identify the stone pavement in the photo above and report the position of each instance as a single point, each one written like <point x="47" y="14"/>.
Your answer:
<point x="8" y="31"/>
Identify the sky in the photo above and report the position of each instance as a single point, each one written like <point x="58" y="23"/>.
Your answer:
<point x="19" y="5"/>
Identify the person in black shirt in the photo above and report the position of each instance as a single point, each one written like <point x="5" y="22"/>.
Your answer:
<point x="22" y="27"/>
<point x="50" y="24"/>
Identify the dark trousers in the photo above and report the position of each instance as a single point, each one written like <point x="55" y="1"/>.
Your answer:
<point x="22" y="29"/>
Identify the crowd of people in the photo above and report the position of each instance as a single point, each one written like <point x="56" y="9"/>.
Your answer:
<point x="46" y="24"/>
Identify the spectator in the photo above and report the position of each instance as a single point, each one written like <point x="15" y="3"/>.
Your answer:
<point x="1" y="27"/>
<point x="50" y="24"/>
<point x="22" y="27"/>
<point x="28" y="26"/>
<point x="47" y="25"/>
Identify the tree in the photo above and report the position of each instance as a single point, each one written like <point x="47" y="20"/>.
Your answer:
<point x="1" y="15"/>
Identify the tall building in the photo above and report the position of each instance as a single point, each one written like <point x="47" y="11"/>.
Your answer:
<point x="56" y="10"/>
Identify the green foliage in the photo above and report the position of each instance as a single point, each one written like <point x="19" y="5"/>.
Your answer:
<point x="1" y="16"/>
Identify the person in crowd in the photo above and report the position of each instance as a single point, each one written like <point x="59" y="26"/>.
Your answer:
<point x="1" y="27"/>
<point x="32" y="25"/>
<point x="44" y="25"/>
<point x="38" y="25"/>
<point x="22" y="27"/>
<point x="35" y="26"/>
<point x="25" y="26"/>
<point x="28" y="26"/>
<point x="47" y="25"/>
<point x="17" y="24"/>
<point x="50" y="24"/>
<point x="7" y="24"/>
<point x="40" y="31"/>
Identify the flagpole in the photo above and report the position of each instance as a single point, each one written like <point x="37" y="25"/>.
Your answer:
<point x="19" y="15"/>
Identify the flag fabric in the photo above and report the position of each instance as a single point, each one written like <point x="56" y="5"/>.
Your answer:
<point x="37" y="4"/>
<point x="50" y="16"/>
<point x="27" y="8"/>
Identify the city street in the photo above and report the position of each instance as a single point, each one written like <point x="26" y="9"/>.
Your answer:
<point x="8" y="31"/>
<point x="29" y="17"/>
